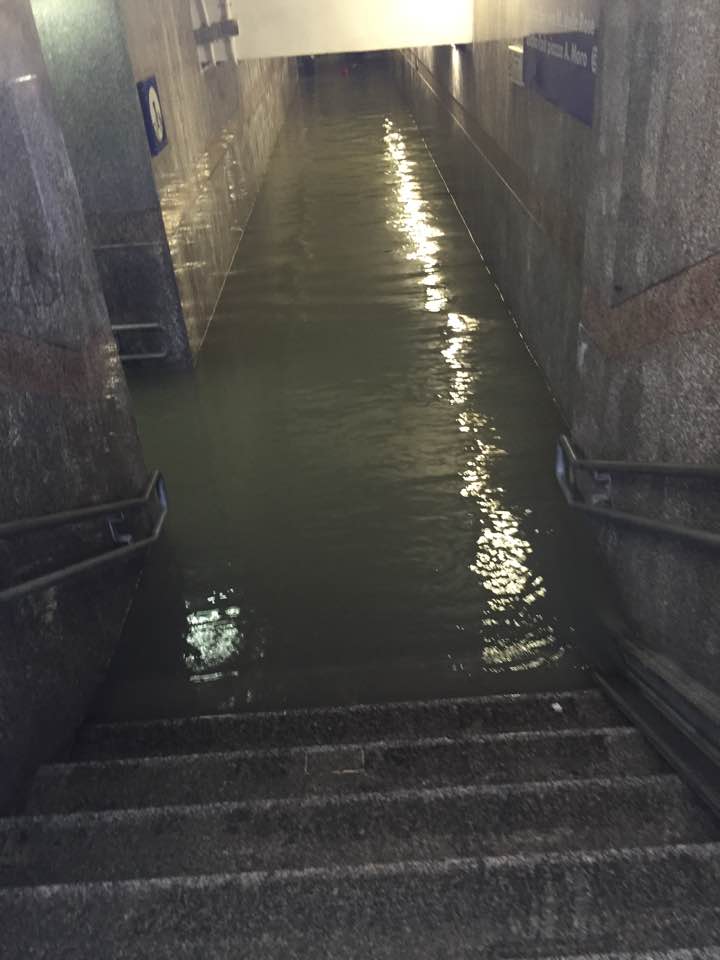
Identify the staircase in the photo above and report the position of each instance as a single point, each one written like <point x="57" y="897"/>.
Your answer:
<point x="501" y="827"/>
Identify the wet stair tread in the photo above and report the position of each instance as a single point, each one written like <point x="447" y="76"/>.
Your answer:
<point x="348" y="724"/>
<point x="447" y="943"/>
<point x="529" y="826"/>
<point x="522" y="902"/>
<point x="234" y="775"/>
<point x="355" y="828"/>
<point x="692" y="953"/>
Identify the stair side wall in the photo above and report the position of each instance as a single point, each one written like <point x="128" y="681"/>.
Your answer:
<point x="66" y="428"/>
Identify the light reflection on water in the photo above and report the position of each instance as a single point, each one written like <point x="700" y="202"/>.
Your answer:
<point x="362" y="501"/>
<point x="502" y="559"/>
<point x="414" y="220"/>
<point x="219" y="633"/>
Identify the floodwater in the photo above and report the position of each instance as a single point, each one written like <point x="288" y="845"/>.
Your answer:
<point x="360" y="468"/>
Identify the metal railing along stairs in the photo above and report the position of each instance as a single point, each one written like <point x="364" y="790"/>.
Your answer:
<point x="124" y="545"/>
<point x="688" y="740"/>
<point x="568" y="467"/>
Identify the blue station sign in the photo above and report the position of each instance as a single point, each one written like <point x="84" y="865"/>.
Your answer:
<point x="562" y="68"/>
<point x="153" y="115"/>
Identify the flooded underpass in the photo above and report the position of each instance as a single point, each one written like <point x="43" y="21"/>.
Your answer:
<point x="508" y="724"/>
<point x="360" y="468"/>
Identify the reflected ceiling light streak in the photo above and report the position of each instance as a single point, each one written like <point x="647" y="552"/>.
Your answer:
<point x="502" y="556"/>
<point x="414" y="220"/>
<point x="517" y="634"/>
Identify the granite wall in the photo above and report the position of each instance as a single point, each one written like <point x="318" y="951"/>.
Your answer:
<point x="67" y="433"/>
<point x="223" y="123"/>
<point x="605" y="241"/>
<point x="97" y="104"/>
<point x="648" y="366"/>
<point x="518" y="169"/>
<point x="164" y="228"/>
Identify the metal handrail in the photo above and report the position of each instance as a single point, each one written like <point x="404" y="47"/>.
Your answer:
<point x="92" y="563"/>
<point x="134" y="327"/>
<point x="640" y="467"/>
<point x="30" y="524"/>
<point x="567" y="463"/>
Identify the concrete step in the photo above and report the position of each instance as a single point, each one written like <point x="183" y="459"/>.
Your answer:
<point x="354" y="724"/>
<point x="348" y="768"/>
<point x="522" y="906"/>
<point x="397" y="949"/>
<point x="352" y="829"/>
<point x="443" y="944"/>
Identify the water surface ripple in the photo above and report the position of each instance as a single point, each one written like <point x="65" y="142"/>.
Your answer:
<point x="360" y="468"/>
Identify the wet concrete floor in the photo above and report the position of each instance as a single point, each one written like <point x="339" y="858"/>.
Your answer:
<point x="361" y="466"/>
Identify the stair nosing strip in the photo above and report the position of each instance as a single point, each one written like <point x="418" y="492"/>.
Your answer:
<point x="659" y="953"/>
<point x="480" y="790"/>
<point x="592" y="693"/>
<point x="254" y="878"/>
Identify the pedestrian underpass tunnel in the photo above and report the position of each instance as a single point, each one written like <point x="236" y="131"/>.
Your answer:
<point x="360" y="466"/>
<point x="358" y="298"/>
<point x="359" y="380"/>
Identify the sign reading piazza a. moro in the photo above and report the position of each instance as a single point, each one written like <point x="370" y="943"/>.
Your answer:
<point x="562" y="67"/>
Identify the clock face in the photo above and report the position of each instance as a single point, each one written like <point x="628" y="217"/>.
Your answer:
<point x="156" y="114"/>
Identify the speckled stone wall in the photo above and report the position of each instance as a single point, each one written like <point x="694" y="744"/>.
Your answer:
<point x="606" y="244"/>
<point x="518" y="169"/>
<point x="68" y="436"/>
<point x="222" y="123"/>
<point x="648" y="366"/>
<point x="97" y="105"/>
<point x="165" y="228"/>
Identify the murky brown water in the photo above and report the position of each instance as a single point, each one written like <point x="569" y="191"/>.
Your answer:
<point x="360" y="469"/>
